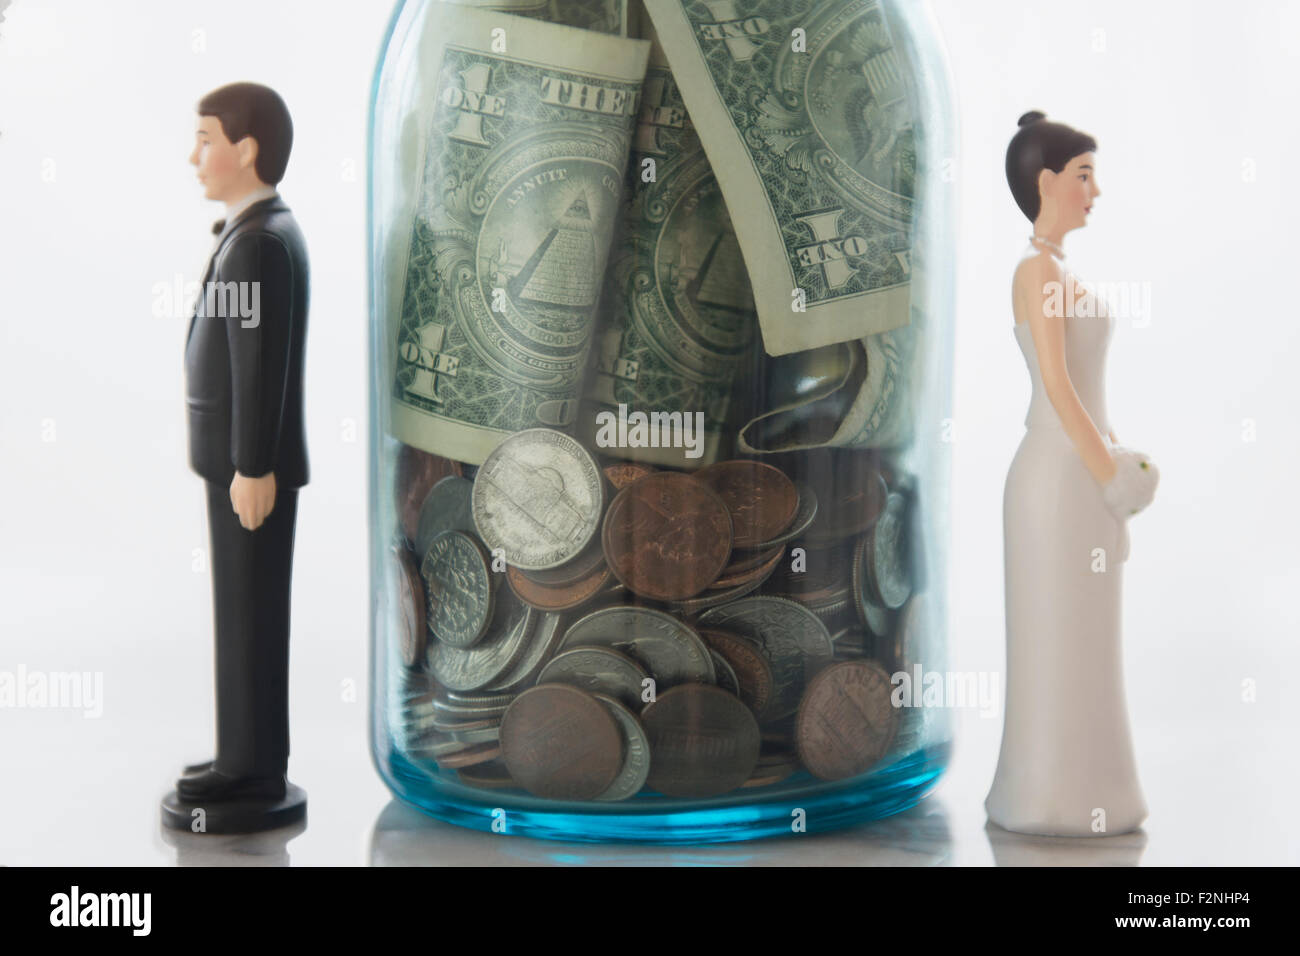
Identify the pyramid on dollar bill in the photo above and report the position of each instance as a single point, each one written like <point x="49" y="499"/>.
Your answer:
<point x="722" y="281"/>
<point x="561" y="272"/>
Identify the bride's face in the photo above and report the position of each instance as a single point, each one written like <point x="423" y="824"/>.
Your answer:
<point x="1075" y="189"/>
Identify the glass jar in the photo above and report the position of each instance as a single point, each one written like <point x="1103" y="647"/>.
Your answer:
<point x="659" y="457"/>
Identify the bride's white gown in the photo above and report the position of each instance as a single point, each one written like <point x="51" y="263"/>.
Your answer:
<point x="1066" y="749"/>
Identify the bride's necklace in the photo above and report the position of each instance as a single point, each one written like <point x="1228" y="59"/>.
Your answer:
<point x="1059" y="252"/>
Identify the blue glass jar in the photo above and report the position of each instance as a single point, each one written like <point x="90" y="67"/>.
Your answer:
<point x="660" y="376"/>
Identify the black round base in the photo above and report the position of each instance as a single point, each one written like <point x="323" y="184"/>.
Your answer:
<point x="234" y="816"/>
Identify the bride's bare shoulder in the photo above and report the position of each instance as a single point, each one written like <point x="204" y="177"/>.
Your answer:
<point x="1033" y="272"/>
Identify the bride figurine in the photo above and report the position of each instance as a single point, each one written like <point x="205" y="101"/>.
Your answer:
<point x="1066" y="767"/>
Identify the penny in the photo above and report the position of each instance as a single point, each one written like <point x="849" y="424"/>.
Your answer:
<point x="851" y="495"/>
<point x="703" y="741"/>
<point x="792" y="638"/>
<point x="636" y="752"/>
<point x="846" y="721"/>
<point x="666" y="647"/>
<point x="623" y="473"/>
<point x="598" y="670"/>
<point x="491" y="775"/>
<point x="417" y="473"/>
<point x="772" y="770"/>
<point x="562" y="743"/>
<point x="538" y="497"/>
<point x="736" y="579"/>
<point x="761" y="499"/>
<point x="537" y="650"/>
<point x="804" y="516"/>
<point x="718" y="596"/>
<point x="742" y="561"/>
<point x="410" y="607"/>
<point x="753" y="672"/>
<point x="667" y="536"/>
<point x="445" y="508"/>
<point x="557" y="597"/>
<point x="487" y="661"/>
<point x="460" y="588"/>
<point x="884" y="554"/>
<point x="852" y="642"/>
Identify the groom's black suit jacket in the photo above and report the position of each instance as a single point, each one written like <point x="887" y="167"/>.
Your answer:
<point x="244" y="375"/>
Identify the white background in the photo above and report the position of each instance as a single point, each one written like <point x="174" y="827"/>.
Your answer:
<point x="1193" y="108"/>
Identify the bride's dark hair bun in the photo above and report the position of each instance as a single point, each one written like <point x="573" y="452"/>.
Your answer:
<point x="1033" y="116"/>
<point x="1040" y="144"/>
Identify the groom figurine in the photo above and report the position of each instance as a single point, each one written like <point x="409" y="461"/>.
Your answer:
<point x="244" y="373"/>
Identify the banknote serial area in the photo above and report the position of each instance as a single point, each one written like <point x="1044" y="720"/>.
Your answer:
<point x="660" y="375"/>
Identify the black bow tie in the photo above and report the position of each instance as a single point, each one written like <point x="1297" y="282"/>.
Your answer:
<point x="217" y="226"/>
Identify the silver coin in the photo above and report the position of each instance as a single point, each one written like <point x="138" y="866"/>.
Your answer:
<point x="876" y="618"/>
<point x="885" y="553"/>
<point x="727" y="678"/>
<point x="539" y="497"/>
<point x="471" y="668"/>
<point x="804" y="516"/>
<point x="636" y="752"/>
<point x="539" y="649"/>
<point x="460" y="588"/>
<point x="597" y="670"/>
<point x="445" y="508"/>
<point x="671" y="651"/>
<point x="792" y="638"/>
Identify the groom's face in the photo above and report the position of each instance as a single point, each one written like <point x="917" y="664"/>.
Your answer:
<point x="218" y="160"/>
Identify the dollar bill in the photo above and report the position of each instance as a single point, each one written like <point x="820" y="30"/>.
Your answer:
<point x="677" y="324"/>
<point x="803" y="108"/>
<point x="525" y="134"/>
<point x="603" y="16"/>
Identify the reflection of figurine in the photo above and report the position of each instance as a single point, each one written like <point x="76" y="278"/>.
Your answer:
<point x="1066" y="767"/>
<point x="244" y="371"/>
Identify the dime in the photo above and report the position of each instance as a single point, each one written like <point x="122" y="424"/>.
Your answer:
<point x="598" y="670"/>
<point x="846" y="721"/>
<point x="487" y="661"/>
<point x="417" y="473"/>
<point x="792" y="638"/>
<point x="410" y="607"/>
<point x="460" y="588"/>
<point x="558" y="597"/>
<point x="560" y="742"/>
<point x="446" y="508"/>
<point x="753" y="673"/>
<point x="538" y="497"/>
<point x="667" y="536"/>
<point x="762" y="501"/>
<point x="537" y="650"/>
<point x="622" y="473"/>
<point x="636" y="752"/>
<point x="703" y="741"/>
<point x="667" y="648"/>
<point x="884" y="554"/>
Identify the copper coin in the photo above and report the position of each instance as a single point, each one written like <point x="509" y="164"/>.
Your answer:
<point x="846" y="720"/>
<point x="703" y="741"/>
<point x="560" y="742"/>
<point x="623" y="473"/>
<point x="546" y="597"/>
<point x="410" y="606"/>
<point x="491" y="775"/>
<point x="761" y="499"/>
<point x="772" y="769"/>
<point x="667" y="536"/>
<point x="571" y="572"/>
<point x="470" y="756"/>
<point x="748" y="560"/>
<point x="851" y="495"/>
<point x="737" y="579"/>
<point x="753" y="671"/>
<point x="417" y="473"/>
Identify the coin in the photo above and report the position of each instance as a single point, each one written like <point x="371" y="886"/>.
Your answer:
<point x="636" y="752"/>
<point x="491" y="775"/>
<point x="792" y="638"/>
<point x="753" y="672"/>
<point x="846" y="721"/>
<point x="734" y="579"/>
<point x="560" y="742"/>
<point x="417" y="473"/>
<point x="804" y="516"/>
<point x="851" y="642"/>
<point x="471" y="668"/>
<point x="725" y="673"/>
<point x="571" y="572"/>
<point x="772" y="769"/>
<point x="667" y="648"/>
<point x="598" y="670"/>
<point x="667" y="536"/>
<point x="884" y="554"/>
<point x="907" y="643"/>
<point x="470" y="756"/>
<point x="410" y="606"/>
<point x="558" y="597"/>
<point x="459" y="587"/>
<point x="622" y="473"/>
<point x="703" y="741"/>
<point x="762" y="501"/>
<point x="537" y="650"/>
<point x="445" y="508"/>
<point x="851" y="494"/>
<point x="538" y="497"/>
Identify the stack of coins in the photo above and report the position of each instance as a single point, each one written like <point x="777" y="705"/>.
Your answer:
<point x="583" y="629"/>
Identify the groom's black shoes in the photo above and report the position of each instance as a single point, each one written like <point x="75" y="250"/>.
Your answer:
<point x="213" y="785"/>
<point x="193" y="768"/>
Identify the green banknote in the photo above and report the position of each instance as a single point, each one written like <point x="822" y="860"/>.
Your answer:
<point x="603" y="16"/>
<point x="803" y="108"/>
<point x="677" y="323"/>
<point x="524" y="136"/>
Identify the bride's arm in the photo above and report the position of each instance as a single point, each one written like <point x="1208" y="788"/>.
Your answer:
<point x="1048" y="332"/>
